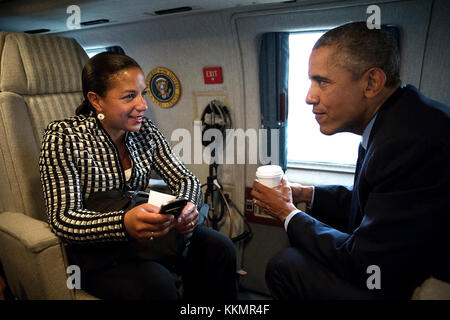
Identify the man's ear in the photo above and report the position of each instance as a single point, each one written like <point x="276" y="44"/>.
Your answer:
<point x="375" y="80"/>
<point x="94" y="99"/>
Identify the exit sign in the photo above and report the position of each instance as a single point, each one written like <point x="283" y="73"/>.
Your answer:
<point x="212" y="75"/>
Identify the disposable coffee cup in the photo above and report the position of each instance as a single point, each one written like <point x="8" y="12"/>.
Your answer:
<point x="269" y="175"/>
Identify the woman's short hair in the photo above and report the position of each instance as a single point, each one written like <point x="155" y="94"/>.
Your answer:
<point x="359" y="48"/>
<point x="97" y="74"/>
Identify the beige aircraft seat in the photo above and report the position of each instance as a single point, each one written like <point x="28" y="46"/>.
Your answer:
<point x="2" y="281"/>
<point x="432" y="289"/>
<point x="40" y="81"/>
<point x="2" y="40"/>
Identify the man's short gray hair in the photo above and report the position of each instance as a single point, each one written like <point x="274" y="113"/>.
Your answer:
<point x="359" y="48"/>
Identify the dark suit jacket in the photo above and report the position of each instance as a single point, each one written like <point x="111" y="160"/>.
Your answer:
<point x="403" y="215"/>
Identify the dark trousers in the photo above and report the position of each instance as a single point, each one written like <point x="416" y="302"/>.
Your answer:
<point x="295" y="274"/>
<point x="208" y="273"/>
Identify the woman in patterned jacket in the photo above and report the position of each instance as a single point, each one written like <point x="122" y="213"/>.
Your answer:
<point x="110" y="145"/>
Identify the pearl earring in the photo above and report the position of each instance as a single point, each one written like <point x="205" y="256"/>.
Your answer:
<point x="101" y="116"/>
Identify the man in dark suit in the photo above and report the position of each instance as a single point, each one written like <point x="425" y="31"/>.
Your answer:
<point x="385" y="235"/>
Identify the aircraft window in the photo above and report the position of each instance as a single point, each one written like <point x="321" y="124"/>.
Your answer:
<point x="92" y="51"/>
<point x="307" y="146"/>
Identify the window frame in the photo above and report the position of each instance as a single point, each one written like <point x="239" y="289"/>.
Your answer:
<point x="299" y="165"/>
<point x="321" y="172"/>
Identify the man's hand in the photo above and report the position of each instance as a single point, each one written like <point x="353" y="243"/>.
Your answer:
<point x="277" y="201"/>
<point x="301" y="193"/>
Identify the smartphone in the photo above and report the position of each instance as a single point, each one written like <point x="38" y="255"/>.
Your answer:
<point x="173" y="207"/>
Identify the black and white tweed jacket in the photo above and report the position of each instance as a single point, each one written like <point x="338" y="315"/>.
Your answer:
<point x="79" y="158"/>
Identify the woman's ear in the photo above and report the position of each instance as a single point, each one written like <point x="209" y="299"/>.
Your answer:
<point x="94" y="99"/>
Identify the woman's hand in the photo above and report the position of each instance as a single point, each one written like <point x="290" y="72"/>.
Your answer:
<point x="188" y="219"/>
<point x="144" y="222"/>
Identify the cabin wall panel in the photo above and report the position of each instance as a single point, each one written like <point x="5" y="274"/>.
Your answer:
<point x="435" y="82"/>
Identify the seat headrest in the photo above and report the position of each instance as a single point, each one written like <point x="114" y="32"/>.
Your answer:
<point x="41" y="64"/>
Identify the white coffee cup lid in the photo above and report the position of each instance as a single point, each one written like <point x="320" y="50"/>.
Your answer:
<point x="269" y="171"/>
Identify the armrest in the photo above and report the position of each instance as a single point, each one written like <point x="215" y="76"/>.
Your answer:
<point x="34" y="234"/>
<point x="33" y="259"/>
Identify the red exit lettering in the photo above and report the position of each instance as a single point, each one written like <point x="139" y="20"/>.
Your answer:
<point x="212" y="75"/>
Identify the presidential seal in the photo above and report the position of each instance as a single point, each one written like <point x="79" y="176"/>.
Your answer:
<point x="163" y="87"/>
